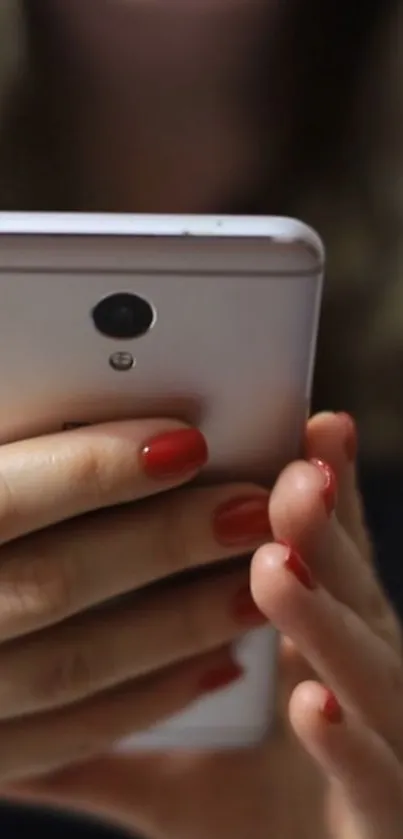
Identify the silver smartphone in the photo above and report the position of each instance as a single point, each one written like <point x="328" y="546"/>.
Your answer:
<point x="208" y="319"/>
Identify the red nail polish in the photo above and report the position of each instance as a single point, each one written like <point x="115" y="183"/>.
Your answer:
<point x="174" y="454"/>
<point x="330" y="485"/>
<point x="242" y="520"/>
<point x="332" y="710"/>
<point x="351" y="440"/>
<point x="244" y="609"/>
<point x="299" y="568"/>
<point x="215" y="680"/>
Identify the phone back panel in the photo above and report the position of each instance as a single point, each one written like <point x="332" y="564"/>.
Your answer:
<point x="231" y="349"/>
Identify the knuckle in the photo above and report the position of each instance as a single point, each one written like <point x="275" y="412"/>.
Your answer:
<point x="89" y="471"/>
<point x="68" y="676"/>
<point x="176" y="537"/>
<point x="53" y="590"/>
<point x="35" y="588"/>
<point x="193" y="629"/>
<point x="9" y="512"/>
<point x="104" y="469"/>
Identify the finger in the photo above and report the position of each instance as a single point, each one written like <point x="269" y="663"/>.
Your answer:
<point x="40" y="744"/>
<point x="292" y="669"/>
<point x="53" y="478"/>
<point x="301" y="512"/>
<point x="367" y="773"/>
<point x="333" y="439"/>
<point x="100" y="650"/>
<point x="364" y="672"/>
<point x="122" y="788"/>
<point x="56" y="573"/>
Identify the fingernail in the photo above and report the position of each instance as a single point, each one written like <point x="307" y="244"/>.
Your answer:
<point x="174" y="454"/>
<point x="330" y="484"/>
<point x="244" y="609"/>
<point x="332" y="710"/>
<point x="351" y="440"/>
<point x="220" y="678"/>
<point x="299" y="568"/>
<point x="242" y="520"/>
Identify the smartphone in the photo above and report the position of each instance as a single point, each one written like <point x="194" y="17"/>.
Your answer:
<point x="208" y="319"/>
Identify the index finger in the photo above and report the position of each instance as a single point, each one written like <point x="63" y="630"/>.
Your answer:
<point x="61" y="476"/>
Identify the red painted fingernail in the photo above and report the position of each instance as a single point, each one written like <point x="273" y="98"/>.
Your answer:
<point x="330" y="484"/>
<point x="351" y="439"/>
<point x="242" y="520"/>
<point x="220" y="678"/>
<point x="174" y="454"/>
<point x="332" y="710"/>
<point x="299" y="568"/>
<point x="244" y="609"/>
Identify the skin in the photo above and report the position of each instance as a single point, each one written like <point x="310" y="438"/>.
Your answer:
<point x="60" y="715"/>
<point x="341" y="780"/>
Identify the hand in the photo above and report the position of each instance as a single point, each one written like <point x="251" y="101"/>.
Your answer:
<point x="334" y="766"/>
<point x="74" y="679"/>
<point x="321" y="591"/>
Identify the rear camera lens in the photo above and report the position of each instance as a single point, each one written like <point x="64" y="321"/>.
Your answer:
<point x="123" y="316"/>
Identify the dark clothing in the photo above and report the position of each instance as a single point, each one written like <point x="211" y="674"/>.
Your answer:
<point x="23" y="822"/>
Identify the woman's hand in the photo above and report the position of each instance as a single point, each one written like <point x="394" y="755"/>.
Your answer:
<point x="74" y="678"/>
<point x="318" y="586"/>
<point x="334" y="766"/>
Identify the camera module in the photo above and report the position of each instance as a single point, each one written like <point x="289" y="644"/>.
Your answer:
<point x="123" y="316"/>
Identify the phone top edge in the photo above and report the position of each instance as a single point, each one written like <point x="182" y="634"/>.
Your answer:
<point x="280" y="229"/>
